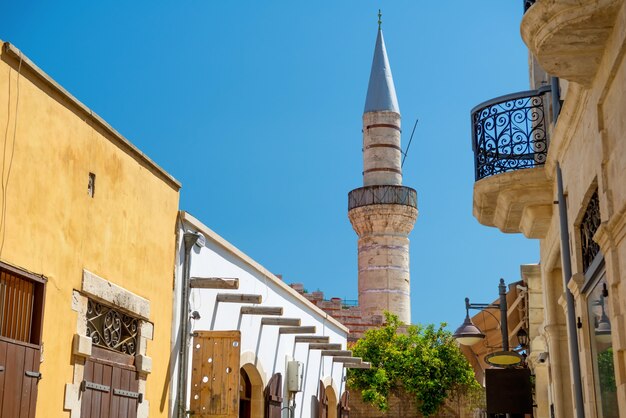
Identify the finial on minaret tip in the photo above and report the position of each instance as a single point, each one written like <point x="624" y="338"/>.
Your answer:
<point x="380" y="22"/>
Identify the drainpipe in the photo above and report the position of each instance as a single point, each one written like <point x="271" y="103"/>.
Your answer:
<point x="571" y="314"/>
<point x="555" y="91"/>
<point x="189" y="240"/>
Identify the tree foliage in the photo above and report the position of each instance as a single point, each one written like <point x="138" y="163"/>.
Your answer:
<point x="421" y="360"/>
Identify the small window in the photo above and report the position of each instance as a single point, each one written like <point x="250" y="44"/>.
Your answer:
<point x="21" y="305"/>
<point x="111" y="329"/>
<point x="588" y="228"/>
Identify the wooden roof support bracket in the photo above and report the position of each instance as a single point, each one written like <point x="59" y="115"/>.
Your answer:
<point x="337" y="353"/>
<point x="297" y="330"/>
<point x="311" y="339"/>
<point x="363" y="365"/>
<point x="324" y="346"/>
<point x="261" y="310"/>
<point x="281" y="321"/>
<point x="213" y="283"/>
<point x="351" y="360"/>
<point x="238" y="298"/>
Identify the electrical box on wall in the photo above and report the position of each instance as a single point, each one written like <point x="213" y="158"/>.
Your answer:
<point x="295" y="371"/>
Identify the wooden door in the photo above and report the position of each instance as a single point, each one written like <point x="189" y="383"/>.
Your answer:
<point x="343" y="409"/>
<point x="21" y="315"/>
<point x="110" y="386"/>
<point x="274" y="396"/>
<point x="215" y="374"/>
<point x="19" y="375"/>
<point x="322" y="402"/>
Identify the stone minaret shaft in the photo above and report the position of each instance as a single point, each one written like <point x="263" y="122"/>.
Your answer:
<point x="383" y="212"/>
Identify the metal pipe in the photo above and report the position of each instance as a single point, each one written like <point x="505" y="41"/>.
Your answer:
<point x="571" y="314"/>
<point x="189" y="240"/>
<point x="504" y="327"/>
<point x="556" y="98"/>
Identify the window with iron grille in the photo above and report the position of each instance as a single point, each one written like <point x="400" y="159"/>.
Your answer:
<point x="111" y="329"/>
<point x="588" y="227"/>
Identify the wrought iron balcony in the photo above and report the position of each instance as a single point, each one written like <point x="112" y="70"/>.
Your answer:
<point x="510" y="133"/>
<point x="382" y="194"/>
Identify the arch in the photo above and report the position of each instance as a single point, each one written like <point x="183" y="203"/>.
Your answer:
<point x="256" y="377"/>
<point x="331" y="395"/>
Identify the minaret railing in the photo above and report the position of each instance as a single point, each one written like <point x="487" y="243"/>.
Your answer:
<point x="510" y="133"/>
<point x="381" y="195"/>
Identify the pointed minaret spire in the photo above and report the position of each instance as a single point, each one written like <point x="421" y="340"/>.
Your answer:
<point x="381" y="93"/>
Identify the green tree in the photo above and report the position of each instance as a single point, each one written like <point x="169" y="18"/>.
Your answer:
<point x="421" y="360"/>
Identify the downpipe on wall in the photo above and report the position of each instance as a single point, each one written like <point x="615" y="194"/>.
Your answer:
<point x="189" y="240"/>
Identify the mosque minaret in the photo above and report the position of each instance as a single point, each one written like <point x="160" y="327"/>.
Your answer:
<point x="383" y="211"/>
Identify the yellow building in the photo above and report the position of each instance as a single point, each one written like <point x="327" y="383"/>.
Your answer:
<point x="551" y="164"/>
<point x="87" y="233"/>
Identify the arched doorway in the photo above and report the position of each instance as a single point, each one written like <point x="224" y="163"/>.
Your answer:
<point x="245" y="395"/>
<point x="251" y="386"/>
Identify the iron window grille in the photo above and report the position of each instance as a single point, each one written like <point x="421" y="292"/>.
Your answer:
<point x="588" y="227"/>
<point x="111" y="329"/>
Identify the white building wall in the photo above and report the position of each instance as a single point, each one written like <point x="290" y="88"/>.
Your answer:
<point x="218" y="258"/>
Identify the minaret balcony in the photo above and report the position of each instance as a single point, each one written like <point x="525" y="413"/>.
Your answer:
<point x="510" y="143"/>
<point x="568" y="36"/>
<point x="382" y="195"/>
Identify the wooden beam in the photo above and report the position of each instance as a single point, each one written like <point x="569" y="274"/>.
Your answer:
<point x="297" y="330"/>
<point x="351" y="360"/>
<point x="337" y="353"/>
<point x="324" y="346"/>
<point x="262" y="310"/>
<point x="363" y="365"/>
<point x="311" y="339"/>
<point x="281" y="321"/>
<point x="213" y="283"/>
<point x="238" y="298"/>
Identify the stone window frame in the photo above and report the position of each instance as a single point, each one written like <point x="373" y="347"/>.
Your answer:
<point x="97" y="288"/>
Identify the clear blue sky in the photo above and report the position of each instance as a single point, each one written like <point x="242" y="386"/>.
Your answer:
<point x="256" y="108"/>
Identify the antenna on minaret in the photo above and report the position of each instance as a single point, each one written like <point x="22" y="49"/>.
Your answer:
<point x="405" y="153"/>
<point x="380" y="22"/>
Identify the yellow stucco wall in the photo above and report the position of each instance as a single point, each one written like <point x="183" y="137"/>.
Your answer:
<point x="125" y="234"/>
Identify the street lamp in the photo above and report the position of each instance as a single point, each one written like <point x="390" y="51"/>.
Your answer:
<point x="469" y="334"/>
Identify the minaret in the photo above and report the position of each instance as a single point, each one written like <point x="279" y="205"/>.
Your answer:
<point x="383" y="211"/>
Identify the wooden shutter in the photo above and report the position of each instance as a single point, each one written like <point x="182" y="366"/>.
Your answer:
<point x="215" y="374"/>
<point x="322" y="402"/>
<point x="343" y="409"/>
<point x="273" y="396"/>
<point x="19" y="375"/>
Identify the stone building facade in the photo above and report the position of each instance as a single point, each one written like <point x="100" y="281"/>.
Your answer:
<point x="551" y="164"/>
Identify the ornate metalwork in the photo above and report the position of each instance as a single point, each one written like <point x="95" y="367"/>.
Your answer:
<point x="109" y="328"/>
<point x="509" y="133"/>
<point x="379" y="195"/>
<point x="527" y="4"/>
<point x="588" y="227"/>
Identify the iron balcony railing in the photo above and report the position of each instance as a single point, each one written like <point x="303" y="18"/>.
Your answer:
<point x="382" y="194"/>
<point x="510" y="133"/>
<point x="527" y="4"/>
